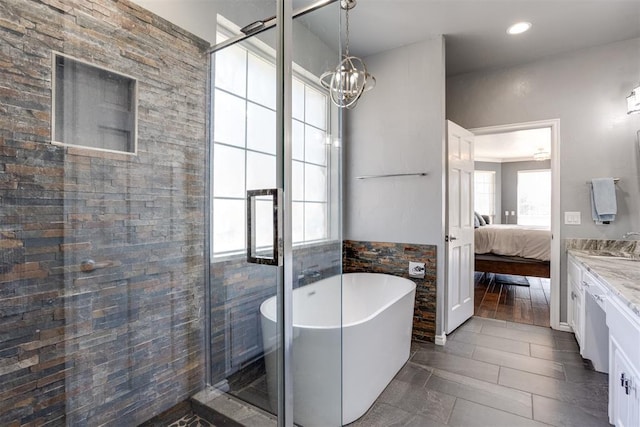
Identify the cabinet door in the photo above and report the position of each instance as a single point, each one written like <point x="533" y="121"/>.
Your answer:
<point x="623" y="394"/>
<point x="575" y="307"/>
<point x="577" y="298"/>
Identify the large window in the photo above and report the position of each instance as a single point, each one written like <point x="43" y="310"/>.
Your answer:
<point x="244" y="147"/>
<point x="534" y="197"/>
<point x="484" y="188"/>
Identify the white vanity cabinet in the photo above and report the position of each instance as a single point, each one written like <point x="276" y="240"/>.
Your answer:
<point x="576" y="299"/>
<point x="624" y="364"/>
<point x="595" y="333"/>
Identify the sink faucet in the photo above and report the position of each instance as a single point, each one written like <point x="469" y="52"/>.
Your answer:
<point x="629" y="234"/>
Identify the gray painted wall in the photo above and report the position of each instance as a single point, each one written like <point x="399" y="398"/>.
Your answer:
<point x="586" y="90"/>
<point x="510" y="184"/>
<point x="497" y="168"/>
<point x="398" y="127"/>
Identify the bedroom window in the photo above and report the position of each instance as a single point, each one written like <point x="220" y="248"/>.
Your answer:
<point x="534" y="197"/>
<point x="244" y="146"/>
<point x="484" y="187"/>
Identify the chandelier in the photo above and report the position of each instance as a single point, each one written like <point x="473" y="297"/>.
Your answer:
<point x="350" y="79"/>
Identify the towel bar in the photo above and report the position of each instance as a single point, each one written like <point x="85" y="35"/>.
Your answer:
<point x="615" y="181"/>
<point x="391" y="175"/>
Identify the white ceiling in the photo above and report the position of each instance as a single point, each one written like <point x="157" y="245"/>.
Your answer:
<point x="512" y="146"/>
<point x="475" y="30"/>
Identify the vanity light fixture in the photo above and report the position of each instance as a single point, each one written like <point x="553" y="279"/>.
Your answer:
<point x="633" y="101"/>
<point x="350" y="79"/>
<point x="541" y="155"/>
<point x="519" y="28"/>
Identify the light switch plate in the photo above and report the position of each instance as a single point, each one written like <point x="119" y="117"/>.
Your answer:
<point x="572" y="218"/>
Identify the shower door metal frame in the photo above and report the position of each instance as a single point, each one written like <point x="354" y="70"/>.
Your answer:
<point x="284" y="169"/>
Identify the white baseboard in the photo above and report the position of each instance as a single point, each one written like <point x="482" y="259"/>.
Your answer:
<point x="564" y="326"/>
<point x="441" y="339"/>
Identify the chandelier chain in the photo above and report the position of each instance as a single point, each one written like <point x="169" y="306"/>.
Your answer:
<point x="346" y="50"/>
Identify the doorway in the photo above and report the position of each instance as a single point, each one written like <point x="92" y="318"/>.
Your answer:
<point x="530" y="291"/>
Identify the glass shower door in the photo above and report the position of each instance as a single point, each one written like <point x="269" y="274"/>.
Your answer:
<point x="247" y="273"/>
<point x="275" y="220"/>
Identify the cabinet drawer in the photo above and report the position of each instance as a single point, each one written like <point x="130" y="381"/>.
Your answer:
<point x="593" y="286"/>
<point x="624" y="326"/>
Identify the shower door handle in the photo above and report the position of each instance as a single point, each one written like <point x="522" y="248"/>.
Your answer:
<point x="265" y="243"/>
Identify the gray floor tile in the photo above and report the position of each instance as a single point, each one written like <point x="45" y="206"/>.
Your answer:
<point x="579" y="374"/>
<point x="420" y="421"/>
<point x="518" y="361"/>
<point x="565" y="344"/>
<point x="592" y="399"/>
<point x="414" y="374"/>
<point x="531" y="328"/>
<point x="566" y="357"/>
<point x="490" y="322"/>
<point x="491" y="341"/>
<point x="456" y="364"/>
<point x="469" y="414"/>
<point x="418" y="400"/>
<point x="563" y="414"/>
<point x="382" y="415"/>
<point x="518" y="335"/>
<point x="489" y="394"/>
<point x="471" y="325"/>
<point x="452" y="347"/>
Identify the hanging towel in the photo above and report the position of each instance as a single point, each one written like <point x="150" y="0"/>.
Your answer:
<point x="603" y="200"/>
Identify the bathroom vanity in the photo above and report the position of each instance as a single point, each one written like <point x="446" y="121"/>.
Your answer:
<point x="604" y="312"/>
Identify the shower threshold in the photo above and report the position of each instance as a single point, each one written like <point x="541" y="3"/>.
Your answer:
<point x="226" y="410"/>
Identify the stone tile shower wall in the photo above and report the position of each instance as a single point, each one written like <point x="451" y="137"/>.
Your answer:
<point x="123" y="343"/>
<point x="238" y="289"/>
<point x="393" y="258"/>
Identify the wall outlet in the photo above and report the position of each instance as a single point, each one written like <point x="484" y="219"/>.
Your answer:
<point x="416" y="269"/>
<point x="572" y="218"/>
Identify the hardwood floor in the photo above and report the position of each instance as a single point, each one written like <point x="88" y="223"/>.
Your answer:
<point x="514" y="303"/>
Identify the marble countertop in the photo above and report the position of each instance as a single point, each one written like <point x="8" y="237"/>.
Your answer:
<point x="620" y="273"/>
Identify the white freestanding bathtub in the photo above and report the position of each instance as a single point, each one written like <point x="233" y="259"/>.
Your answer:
<point x="339" y="372"/>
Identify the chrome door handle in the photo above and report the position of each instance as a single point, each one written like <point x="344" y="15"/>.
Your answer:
<point x="450" y="238"/>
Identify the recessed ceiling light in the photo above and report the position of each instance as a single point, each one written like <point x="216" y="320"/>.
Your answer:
<point x="519" y="27"/>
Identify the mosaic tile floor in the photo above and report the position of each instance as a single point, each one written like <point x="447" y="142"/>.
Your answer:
<point x="191" y="420"/>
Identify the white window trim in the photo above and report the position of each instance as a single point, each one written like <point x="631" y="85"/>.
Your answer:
<point x="266" y="52"/>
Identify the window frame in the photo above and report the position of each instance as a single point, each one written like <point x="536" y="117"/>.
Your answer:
<point x="493" y="174"/>
<point x="530" y="171"/>
<point x="265" y="52"/>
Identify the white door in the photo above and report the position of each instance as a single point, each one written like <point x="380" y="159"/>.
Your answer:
<point x="459" y="238"/>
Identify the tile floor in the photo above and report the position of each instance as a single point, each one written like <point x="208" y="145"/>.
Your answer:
<point x="494" y="373"/>
<point x="491" y="373"/>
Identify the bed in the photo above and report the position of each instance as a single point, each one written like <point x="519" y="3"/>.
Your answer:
<point x="513" y="249"/>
